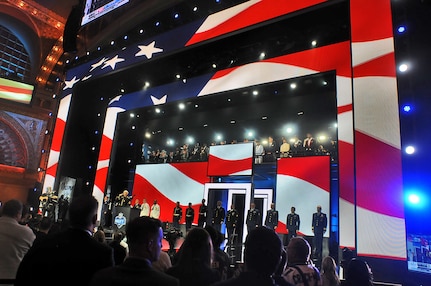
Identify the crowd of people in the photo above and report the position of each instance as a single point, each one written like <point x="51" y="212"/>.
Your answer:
<point x="76" y="256"/>
<point x="265" y="151"/>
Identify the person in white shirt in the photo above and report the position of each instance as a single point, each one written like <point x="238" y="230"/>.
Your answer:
<point x="155" y="210"/>
<point x="145" y="208"/>
<point x="15" y="239"/>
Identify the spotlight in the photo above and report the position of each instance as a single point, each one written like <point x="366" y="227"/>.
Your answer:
<point x="401" y="29"/>
<point x="293" y="85"/>
<point x="407" y="108"/>
<point x="125" y="37"/>
<point x="176" y="16"/>
<point x="195" y="9"/>
<point x="314" y="43"/>
<point x="181" y="106"/>
<point x="403" y="67"/>
<point x="410" y="150"/>
<point x="157" y="23"/>
<point x="112" y="43"/>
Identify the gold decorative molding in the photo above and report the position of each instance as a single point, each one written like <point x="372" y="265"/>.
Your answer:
<point x="40" y="13"/>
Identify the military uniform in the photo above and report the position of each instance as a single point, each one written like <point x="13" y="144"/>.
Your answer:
<point x="271" y="220"/>
<point x="203" y="210"/>
<point x="178" y="213"/>
<point x="218" y="218"/>
<point x="253" y="219"/>
<point x="292" y="226"/>
<point x="190" y="215"/>
<point x="319" y="224"/>
<point x="231" y="223"/>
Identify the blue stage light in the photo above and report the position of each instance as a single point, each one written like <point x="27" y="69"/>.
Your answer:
<point x="401" y="29"/>
<point x="407" y="108"/>
<point x="414" y="199"/>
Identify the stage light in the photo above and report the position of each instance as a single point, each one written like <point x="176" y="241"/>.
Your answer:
<point x="205" y="125"/>
<point x="46" y="132"/>
<point x="125" y="37"/>
<point x="99" y="48"/>
<point x="157" y="110"/>
<point x="289" y="130"/>
<point x="255" y="92"/>
<point x="147" y="135"/>
<point x="401" y="29"/>
<point x="403" y="67"/>
<point x="93" y="148"/>
<point x="157" y="23"/>
<point x="176" y="16"/>
<point x="43" y="151"/>
<point x="132" y="115"/>
<point x="214" y="66"/>
<point x="184" y="80"/>
<point x="190" y="140"/>
<point x="219" y="137"/>
<point x="407" y="108"/>
<point x="410" y="150"/>
<point x="178" y="76"/>
<point x="195" y="9"/>
<point x="129" y="161"/>
<point x="141" y="31"/>
<point x="335" y="125"/>
<point x="325" y="82"/>
<point x="250" y="134"/>
<point x="133" y="127"/>
<point x="181" y="106"/>
<point x="101" y="99"/>
<point x="232" y="122"/>
<point x="262" y="55"/>
<point x="90" y="167"/>
<point x="98" y="114"/>
<point x="180" y="128"/>
<point x="196" y="105"/>
<point x="112" y="43"/>
<point x="416" y="199"/>
<point x="147" y="84"/>
<point x="314" y="43"/>
<point x="264" y="117"/>
<point x="293" y="85"/>
<point x="88" y="53"/>
<point x="96" y="132"/>
<point x="50" y="114"/>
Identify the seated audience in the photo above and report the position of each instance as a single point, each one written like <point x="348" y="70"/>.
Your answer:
<point x="120" y="251"/>
<point x="68" y="257"/>
<point x="163" y="263"/>
<point x="329" y="272"/>
<point x="300" y="271"/>
<point x="15" y="239"/>
<point x="99" y="236"/>
<point x="220" y="261"/>
<point x="262" y="256"/>
<point x="144" y="237"/>
<point x="358" y="274"/>
<point x="43" y="229"/>
<point x="194" y="260"/>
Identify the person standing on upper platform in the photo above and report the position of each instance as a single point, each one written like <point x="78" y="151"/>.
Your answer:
<point x="145" y="208"/>
<point x="231" y="223"/>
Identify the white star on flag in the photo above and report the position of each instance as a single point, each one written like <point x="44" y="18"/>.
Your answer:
<point x="157" y="101"/>
<point x="70" y="83"/>
<point x="112" y="62"/>
<point x="98" y="64"/>
<point x="86" y="77"/>
<point x="148" y="50"/>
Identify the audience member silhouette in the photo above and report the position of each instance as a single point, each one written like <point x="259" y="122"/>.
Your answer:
<point x="120" y="251"/>
<point x="300" y="271"/>
<point x="163" y="263"/>
<point x="15" y="239"/>
<point x="144" y="236"/>
<point x="358" y="274"/>
<point x="193" y="266"/>
<point x="220" y="258"/>
<point x="69" y="257"/>
<point x="262" y="256"/>
<point x="99" y="236"/>
<point x="43" y="229"/>
<point x="329" y="272"/>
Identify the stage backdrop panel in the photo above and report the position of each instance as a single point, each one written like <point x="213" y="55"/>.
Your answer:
<point x="229" y="160"/>
<point x="303" y="182"/>
<point x="171" y="183"/>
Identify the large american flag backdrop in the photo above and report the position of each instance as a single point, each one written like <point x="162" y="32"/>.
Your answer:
<point x="371" y="217"/>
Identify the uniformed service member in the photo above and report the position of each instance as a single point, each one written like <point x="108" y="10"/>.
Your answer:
<point x="254" y="219"/>
<point x="271" y="220"/>
<point x="292" y="224"/>
<point x="231" y="223"/>
<point x="177" y="215"/>
<point x="218" y="216"/>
